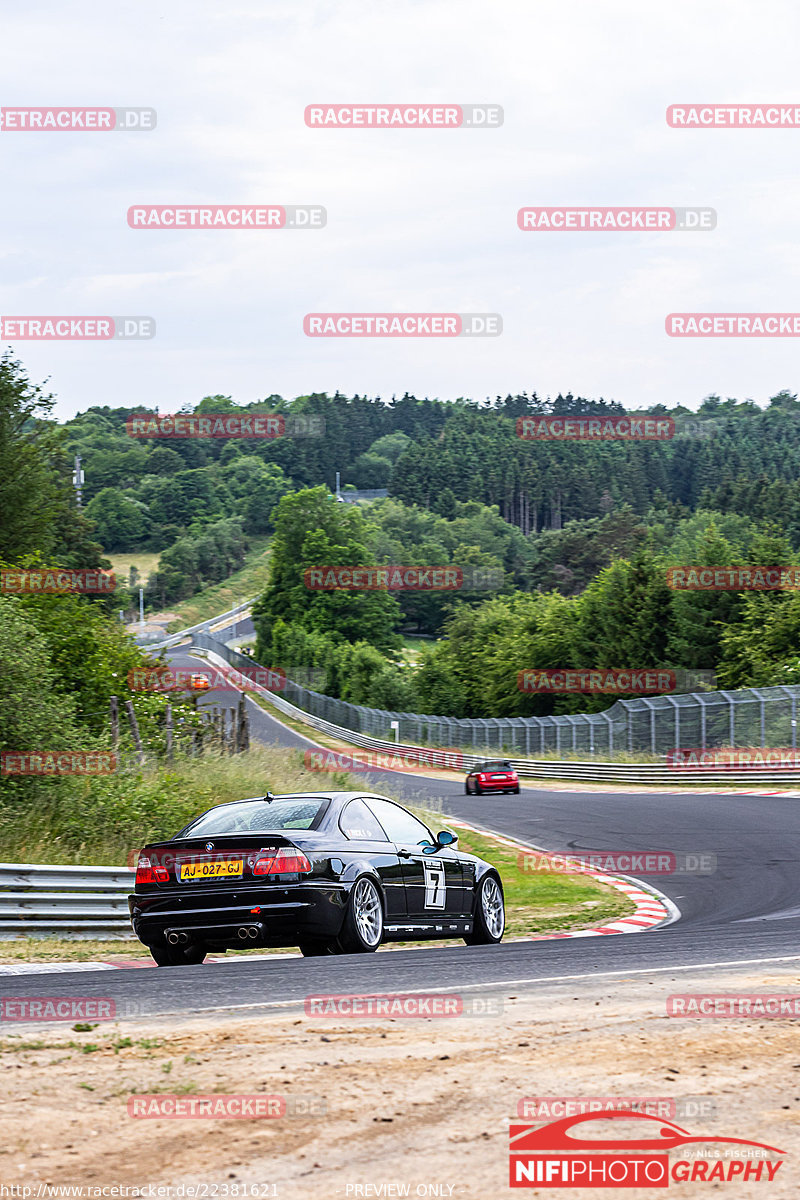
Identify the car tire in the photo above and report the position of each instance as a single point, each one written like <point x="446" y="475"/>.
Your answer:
<point x="362" y="931"/>
<point x="515" y="792"/>
<point x="466" y="789"/>
<point x="177" y="956"/>
<point x="478" y="791"/>
<point x="489" y="916"/>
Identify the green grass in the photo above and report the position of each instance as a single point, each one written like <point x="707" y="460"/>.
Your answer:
<point x="413" y="647"/>
<point x="242" y="585"/>
<point x="101" y="820"/>
<point x="145" y="562"/>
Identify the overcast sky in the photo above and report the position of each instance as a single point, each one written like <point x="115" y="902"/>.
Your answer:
<point x="417" y="220"/>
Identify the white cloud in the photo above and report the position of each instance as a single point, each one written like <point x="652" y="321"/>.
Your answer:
<point x="416" y="220"/>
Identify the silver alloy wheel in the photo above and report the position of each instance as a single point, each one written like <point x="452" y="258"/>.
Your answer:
<point x="492" y="906"/>
<point x="368" y="912"/>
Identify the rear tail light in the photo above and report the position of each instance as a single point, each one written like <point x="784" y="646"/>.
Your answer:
<point x="150" y="870"/>
<point x="144" y="871"/>
<point x="288" y="860"/>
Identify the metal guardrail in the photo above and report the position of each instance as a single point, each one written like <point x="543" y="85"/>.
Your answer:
<point x="588" y="772"/>
<point x="202" y="626"/>
<point x="55" y="901"/>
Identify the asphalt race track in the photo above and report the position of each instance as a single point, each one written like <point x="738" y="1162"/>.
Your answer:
<point x="746" y="912"/>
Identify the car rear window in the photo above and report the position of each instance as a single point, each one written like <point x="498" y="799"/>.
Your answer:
<point x="496" y="765"/>
<point x="259" y="816"/>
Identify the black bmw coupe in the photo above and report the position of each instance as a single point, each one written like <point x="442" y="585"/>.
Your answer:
<point x="332" y="873"/>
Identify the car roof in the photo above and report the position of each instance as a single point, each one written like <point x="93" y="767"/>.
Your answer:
<point x="337" y="799"/>
<point x="337" y="802"/>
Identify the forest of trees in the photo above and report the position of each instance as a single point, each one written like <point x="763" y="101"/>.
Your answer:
<point x="145" y="493"/>
<point x="62" y="656"/>
<point x="613" y="610"/>
<point x="577" y="536"/>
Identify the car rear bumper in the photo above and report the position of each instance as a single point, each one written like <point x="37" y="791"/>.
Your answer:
<point x="498" y="785"/>
<point x="295" y="914"/>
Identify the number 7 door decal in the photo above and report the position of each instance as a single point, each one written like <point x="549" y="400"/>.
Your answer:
<point x="434" y="885"/>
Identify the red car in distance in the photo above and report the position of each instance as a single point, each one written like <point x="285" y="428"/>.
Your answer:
<point x="493" y="775"/>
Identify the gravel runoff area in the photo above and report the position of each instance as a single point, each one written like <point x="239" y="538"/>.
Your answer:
<point x="372" y="1106"/>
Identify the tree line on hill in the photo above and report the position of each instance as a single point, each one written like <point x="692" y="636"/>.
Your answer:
<point x="611" y="608"/>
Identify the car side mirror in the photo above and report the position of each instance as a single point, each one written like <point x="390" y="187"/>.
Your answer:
<point x="445" y="838"/>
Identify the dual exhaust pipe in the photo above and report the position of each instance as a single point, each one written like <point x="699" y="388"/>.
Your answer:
<point x="245" y="933"/>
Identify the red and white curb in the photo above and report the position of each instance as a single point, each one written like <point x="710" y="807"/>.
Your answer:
<point x="652" y="907"/>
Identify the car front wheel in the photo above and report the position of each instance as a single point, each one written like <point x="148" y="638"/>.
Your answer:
<point x="489" y="920"/>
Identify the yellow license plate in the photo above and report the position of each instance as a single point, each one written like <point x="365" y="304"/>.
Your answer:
<point x="220" y="868"/>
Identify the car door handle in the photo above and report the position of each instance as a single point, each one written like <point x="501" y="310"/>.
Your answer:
<point x="404" y="854"/>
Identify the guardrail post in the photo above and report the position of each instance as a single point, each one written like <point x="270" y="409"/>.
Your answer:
<point x="168" y="730"/>
<point x="114" y="718"/>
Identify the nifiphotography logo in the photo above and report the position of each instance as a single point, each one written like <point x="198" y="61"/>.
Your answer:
<point x="556" y="1156"/>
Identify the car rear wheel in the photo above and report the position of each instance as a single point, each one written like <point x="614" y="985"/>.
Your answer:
<point x="178" y="956"/>
<point x="362" y="931"/>
<point x="478" y="791"/>
<point x="489" y="920"/>
<point x="515" y="791"/>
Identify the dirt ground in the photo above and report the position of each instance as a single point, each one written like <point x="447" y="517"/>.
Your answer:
<point x="422" y="1104"/>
